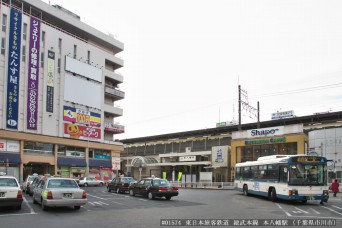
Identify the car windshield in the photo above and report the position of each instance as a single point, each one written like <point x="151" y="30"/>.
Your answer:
<point x="8" y="182"/>
<point x="31" y="178"/>
<point x="62" y="183"/>
<point x="127" y="180"/>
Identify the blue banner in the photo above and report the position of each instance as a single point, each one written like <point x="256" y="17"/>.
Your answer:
<point x="13" y="70"/>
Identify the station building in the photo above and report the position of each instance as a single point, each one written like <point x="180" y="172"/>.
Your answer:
<point x="59" y="93"/>
<point x="188" y="156"/>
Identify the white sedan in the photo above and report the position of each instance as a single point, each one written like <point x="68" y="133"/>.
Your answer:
<point x="90" y="181"/>
<point x="10" y="192"/>
<point x="59" y="192"/>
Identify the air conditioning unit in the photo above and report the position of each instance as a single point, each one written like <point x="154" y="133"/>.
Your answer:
<point x="188" y="149"/>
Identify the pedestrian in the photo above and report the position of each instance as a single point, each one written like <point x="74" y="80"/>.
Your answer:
<point x="335" y="187"/>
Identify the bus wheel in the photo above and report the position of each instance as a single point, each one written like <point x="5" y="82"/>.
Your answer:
<point x="273" y="195"/>
<point x="245" y="190"/>
<point x="304" y="201"/>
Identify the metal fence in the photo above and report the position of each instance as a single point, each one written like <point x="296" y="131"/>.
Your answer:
<point x="211" y="185"/>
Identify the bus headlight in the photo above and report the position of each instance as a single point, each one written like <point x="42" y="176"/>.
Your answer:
<point x="293" y="192"/>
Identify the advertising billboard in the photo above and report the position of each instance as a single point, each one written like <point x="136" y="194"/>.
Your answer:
<point x="13" y="70"/>
<point x="75" y="131"/>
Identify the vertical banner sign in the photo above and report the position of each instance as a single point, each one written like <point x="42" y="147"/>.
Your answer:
<point x="33" y="75"/>
<point x="13" y="70"/>
<point x="50" y="81"/>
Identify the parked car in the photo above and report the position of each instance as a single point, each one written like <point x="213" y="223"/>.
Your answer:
<point x="28" y="181"/>
<point x="10" y="192"/>
<point x="90" y="181"/>
<point x="120" y="184"/>
<point x="59" y="192"/>
<point x="153" y="187"/>
<point x="33" y="184"/>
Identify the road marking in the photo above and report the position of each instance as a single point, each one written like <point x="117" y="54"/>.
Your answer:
<point x="18" y="214"/>
<point x="29" y="206"/>
<point x="332" y="210"/>
<point x="104" y="199"/>
<point x="314" y="210"/>
<point x="287" y="213"/>
<point x="337" y="207"/>
<point x="100" y="203"/>
<point x="300" y="211"/>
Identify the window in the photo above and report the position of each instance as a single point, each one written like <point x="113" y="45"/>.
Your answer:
<point x="283" y="170"/>
<point x="59" y="65"/>
<point x="23" y="55"/>
<point x="4" y="22"/>
<point x="75" y="51"/>
<point x="3" y="44"/>
<point x="60" y="45"/>
<point x="39" y="148"/>
<point x="42" y="60"/>
<point x="43" y="39"/>
<point x="25" y="31"/>
<point x="88" y="57"/>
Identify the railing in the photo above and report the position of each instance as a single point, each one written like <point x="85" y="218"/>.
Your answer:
<point x="38" y="152"/>
<point x="209" y="185"/>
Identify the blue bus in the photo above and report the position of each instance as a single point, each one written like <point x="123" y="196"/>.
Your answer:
<point x="288" y="177"/>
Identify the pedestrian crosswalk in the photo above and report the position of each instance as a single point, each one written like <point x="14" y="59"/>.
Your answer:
<point x="98" y="203"/>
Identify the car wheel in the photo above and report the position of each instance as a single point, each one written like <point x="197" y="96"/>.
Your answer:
<point x="131" y="192"/>
<point x="168" y="197"/>
<point x="108" y="189"/>
<point x="118" y="190"/>
<point x="43" y="205"/>
<point x="31" y="194"/>
<point x="77" y="207"/>
<point x="85" y="184"/>
<point x="101" y="184"/>
<point x="34" y="200"/>
<point x="27" y="191"/>
<point x="150" y="195"/>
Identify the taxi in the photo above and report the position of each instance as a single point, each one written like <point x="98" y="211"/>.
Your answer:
<point x="59" y="192"/>
<point x="10" y="192"/>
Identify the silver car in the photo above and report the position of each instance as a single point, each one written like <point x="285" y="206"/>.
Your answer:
<point x="59" y="192"/>
<point x="90" y="181"/>
<point x="27" y="182"/>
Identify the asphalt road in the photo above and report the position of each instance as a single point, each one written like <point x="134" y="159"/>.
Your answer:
<point x="113" y="210"/>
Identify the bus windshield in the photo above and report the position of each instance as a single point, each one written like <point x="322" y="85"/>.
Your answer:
<point x="308" y="174"/>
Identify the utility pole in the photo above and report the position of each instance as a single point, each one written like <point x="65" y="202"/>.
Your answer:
<point x="239" y="107"/>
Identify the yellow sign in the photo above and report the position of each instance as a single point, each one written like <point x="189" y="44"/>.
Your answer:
<point x="179" y="175"/>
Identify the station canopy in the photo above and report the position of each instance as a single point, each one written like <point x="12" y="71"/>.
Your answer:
<point x="139" y="161"/>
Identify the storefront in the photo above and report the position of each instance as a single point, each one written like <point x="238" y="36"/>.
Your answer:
<point x="251" y="144"/>
<point x="10" y="157"/>
<point x="71" y="167"/>
<point x="100" y="169"/>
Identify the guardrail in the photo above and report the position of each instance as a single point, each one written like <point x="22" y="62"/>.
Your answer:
<point x="211" y="185"/>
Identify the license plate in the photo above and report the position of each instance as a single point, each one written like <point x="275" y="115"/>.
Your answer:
<point x="2" y="194"/>
<point x="67" y="195"/>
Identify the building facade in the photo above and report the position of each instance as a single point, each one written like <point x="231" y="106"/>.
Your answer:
<point x="328" y="143"/>
<point x="251" y="144"/>
<point x="59" y="93"/>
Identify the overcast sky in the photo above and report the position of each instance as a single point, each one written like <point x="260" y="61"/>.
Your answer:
<point x="184" y="59"/>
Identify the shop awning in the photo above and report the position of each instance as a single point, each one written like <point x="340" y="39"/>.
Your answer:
<point x="12" y="158"/>
<point x="100" y="163"/>
<point x="73" y="162"/>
